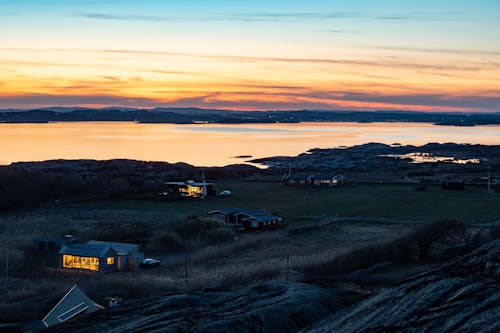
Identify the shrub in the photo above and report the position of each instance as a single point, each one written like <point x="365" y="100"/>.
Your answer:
<point x="400" y="251"/>
<point x="443" y="231"/>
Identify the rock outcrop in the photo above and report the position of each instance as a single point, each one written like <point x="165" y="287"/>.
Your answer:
<point x="462" y="296"/>
<point x="267" y="307"/>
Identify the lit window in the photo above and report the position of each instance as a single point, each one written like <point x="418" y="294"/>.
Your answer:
<point x="67" y="261"/>
<point x="110" y="261"/>
<point x="88" y="263"/>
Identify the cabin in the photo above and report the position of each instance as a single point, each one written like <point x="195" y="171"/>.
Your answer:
<point x="297" y="179"/>
<point x="225" y="215"/>
<point x="74" y="303"/>
<point x="97" y="256"/>
<point x="188" y="189"/>
<point x="313" y="180"/>
<point x="328" y="180"/>
<point x="247" y="220"/>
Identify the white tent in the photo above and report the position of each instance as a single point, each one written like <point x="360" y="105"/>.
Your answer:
<point x="75" y="302"/>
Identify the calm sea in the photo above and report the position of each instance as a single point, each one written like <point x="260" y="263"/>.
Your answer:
<point x="213" y="144"/>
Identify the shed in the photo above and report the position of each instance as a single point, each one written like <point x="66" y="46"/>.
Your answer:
<point x="74" y="303"/>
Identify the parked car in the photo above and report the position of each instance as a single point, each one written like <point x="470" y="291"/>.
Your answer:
<point x="149" y="262"/>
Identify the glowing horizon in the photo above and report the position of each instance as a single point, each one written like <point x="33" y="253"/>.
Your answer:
<point x="356" y="55"/>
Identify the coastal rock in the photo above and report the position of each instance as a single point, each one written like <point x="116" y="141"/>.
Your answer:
<point x="462" y="296"/>
<point x="267" y="307"/>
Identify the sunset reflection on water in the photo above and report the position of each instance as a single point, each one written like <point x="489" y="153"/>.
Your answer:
<point x="215" y="144"/>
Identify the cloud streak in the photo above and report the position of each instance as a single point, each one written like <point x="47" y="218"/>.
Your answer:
<point x="280" y="17"/>
<point x="438" y="50"/>
<point x="265" y="98"/>
<point x="255" y="59"/>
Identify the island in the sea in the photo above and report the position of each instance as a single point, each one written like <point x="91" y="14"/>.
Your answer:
<point x="197" y="115"/>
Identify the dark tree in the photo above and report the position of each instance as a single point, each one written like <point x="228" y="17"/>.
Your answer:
<point x="442" y="231"/>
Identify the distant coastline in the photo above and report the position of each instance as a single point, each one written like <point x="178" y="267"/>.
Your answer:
<point x="195" y="115"/>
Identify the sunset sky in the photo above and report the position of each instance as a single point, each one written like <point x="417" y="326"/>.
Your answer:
<point x="251" y="55"/>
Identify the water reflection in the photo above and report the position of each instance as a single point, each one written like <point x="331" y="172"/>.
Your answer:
<point x="213" y="145"/>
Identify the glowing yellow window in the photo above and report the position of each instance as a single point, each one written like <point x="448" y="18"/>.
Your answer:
<point x="110" y="260"/>
<point x="94" y="264"/>
<point x="67" y="261"/>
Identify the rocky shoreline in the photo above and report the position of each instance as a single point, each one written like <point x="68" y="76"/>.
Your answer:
<point x="378" y="162"/>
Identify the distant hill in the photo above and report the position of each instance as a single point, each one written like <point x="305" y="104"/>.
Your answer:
<point x="196" y="115"/>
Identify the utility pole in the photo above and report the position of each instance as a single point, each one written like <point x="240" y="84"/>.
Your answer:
<point x="186" y="262"/>
<point x="6" y="269"/>
<point x="204" y="190"/>
<point x="287" y="267"/>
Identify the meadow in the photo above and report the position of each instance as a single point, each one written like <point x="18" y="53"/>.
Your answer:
<point x="334" y="230"/>
<point x="384" y="202"/>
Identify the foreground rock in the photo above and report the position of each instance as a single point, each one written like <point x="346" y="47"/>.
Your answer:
<point x="462" y="296"/>
<point x="269" y="307"/>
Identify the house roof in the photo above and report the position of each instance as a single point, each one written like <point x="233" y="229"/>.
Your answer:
<point x="328" y="177"/>
<point x="120" y="248"/>
<point x="86" y="250"/>
<point x="226" y="211"/>
<point x="75" y="302"/>
<point x="186" y="183"/>
<point x="296" y="176"/>
<point x="266" y="217"/>
<point x="254" y="212"/>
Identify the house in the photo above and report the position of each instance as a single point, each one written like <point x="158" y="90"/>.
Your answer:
<point x="311" y="179"/>
<point x="74" y="303"/>
<point x="225" y="215"/>
<point x="100" y="256"/>
<point x="249" y="220"/>
<point x="297" y="179"/>
<point x="328" y="180"/>
<point x="188" y="189"/>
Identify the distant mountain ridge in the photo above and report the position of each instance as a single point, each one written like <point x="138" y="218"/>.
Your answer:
<point x="197" y="115"/>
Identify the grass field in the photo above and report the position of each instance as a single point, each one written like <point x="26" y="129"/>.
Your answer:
<point x="398" y="203"/>
<point x="367" y="215"/>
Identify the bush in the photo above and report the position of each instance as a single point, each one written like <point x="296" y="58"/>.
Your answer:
<point x="449" y="232"/>
<point x="399" y="251"/>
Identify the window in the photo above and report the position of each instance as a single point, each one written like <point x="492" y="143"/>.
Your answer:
<point x="88" y="263"/>
<point x="110" y="261"/>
